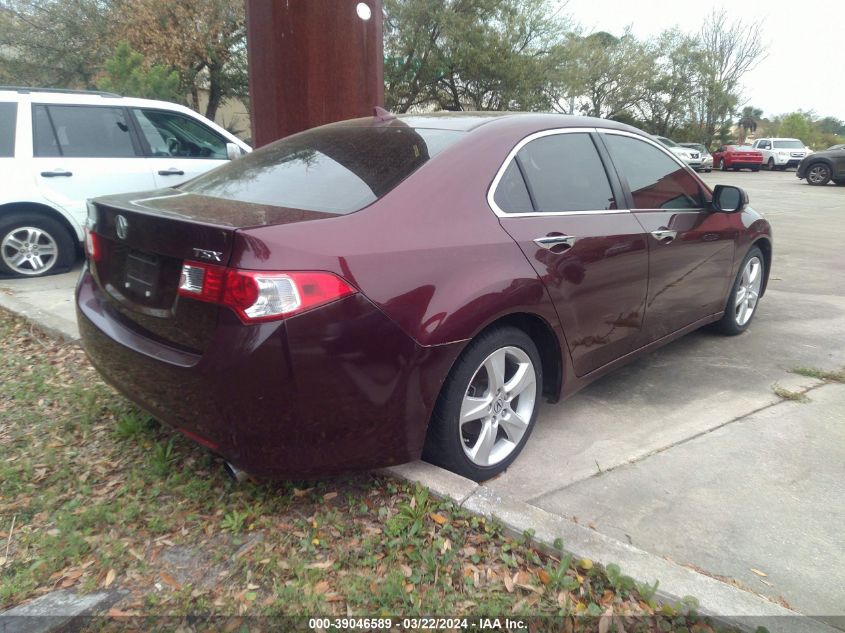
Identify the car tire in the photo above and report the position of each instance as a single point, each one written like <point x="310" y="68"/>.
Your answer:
<point x="741" y="305"/>
<point x="34" y="246"/>
<point x="771" y="164"/>
<point x="818" y="174"/>
<point x="497" y="419"/>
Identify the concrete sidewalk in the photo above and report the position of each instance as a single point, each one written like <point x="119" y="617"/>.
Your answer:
<point x="685" y="466"/>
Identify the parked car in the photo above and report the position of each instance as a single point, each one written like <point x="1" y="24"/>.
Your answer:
<point x="839" y="146"/>
<point x="60" y="147"/>
<point x="737" y="157"/>
<point x="373" y="291"/>
<point x="706" y="158"/>
<point x="820" y="168"/>
<point x="690" y="156"/>
<point x="780" y="153"/>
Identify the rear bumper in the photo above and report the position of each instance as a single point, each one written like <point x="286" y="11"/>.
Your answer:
<point x="738" y="164"/>
<point x="336" y="389"/>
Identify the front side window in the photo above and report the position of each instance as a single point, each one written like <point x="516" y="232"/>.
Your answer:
<point x="337" y="168"/>
<point x="8" y="120"/>
<point x="81" y="132"/>
<point x="175" y="135"/>
<point x="656" y="180"/>
<point x="563" y="173"/>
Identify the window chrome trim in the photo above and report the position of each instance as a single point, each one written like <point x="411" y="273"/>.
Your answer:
<point x="491" y="191"/>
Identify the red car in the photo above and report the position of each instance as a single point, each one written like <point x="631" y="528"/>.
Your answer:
<point x="737" y="157"/>
<point x="373" y="291"/>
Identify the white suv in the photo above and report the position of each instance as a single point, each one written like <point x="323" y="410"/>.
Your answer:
<point x="691" y="157"/>
<point x="780" y="153"/>
<point x="58" y="148"/>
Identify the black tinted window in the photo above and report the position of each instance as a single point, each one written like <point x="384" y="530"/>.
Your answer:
<point x="565" y="173"/>
<point x="8" y="119"/>
<point x="82" y="131"/>
<point x="656" y="180"/>
<point x="337" y="168"/>
<point x="511" y="194"/>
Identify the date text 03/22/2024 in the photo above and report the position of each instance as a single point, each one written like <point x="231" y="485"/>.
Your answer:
<point x="476" y="624"/>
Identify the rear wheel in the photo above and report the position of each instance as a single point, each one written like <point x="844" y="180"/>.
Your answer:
<point x="488" y="405"/>
<point x="33" y="245"/>
<point x="818" y="174"/>
<point x="745" y="294"/>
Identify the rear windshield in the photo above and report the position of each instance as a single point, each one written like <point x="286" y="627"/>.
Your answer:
<point x="788" y="144"/>
<point x="335" y="169"/>
<point x="8" y="116"/>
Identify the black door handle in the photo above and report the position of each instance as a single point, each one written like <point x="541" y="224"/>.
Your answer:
<point x="56" y="174"/>
<point x="171" y="172"/>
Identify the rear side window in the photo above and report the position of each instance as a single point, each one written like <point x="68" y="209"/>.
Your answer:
<point x="655" y="179"/>
<point x="564" y="173"/>
<point x="336" y="168"/>
<point x="81" y="132"/>
<point x="8" y="120"/>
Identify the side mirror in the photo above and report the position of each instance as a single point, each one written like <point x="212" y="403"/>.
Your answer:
<point x="233" y="151"/>
<point x="729" y="199"/>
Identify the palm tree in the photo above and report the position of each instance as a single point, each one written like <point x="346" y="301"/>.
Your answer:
<point x="748" y="121"/>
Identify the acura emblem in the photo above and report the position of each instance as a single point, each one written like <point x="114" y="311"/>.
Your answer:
<point x="122" y="226"/>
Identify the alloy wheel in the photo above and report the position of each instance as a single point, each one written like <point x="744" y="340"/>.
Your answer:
<point x="818" y="175"/>
<point x="748" y="291"/>
<point x="28" y="250"/>
<point x="498" y="406"/>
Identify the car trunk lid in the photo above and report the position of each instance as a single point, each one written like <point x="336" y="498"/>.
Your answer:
<point x="143" y="244"/>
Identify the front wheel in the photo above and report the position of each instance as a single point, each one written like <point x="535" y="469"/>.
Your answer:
<point x="771" y="164"/>
<point x="818" y="174"/>
<point x="33" y="246"/>
<point x="488" y="405"/>
<point x="745" y="294"/>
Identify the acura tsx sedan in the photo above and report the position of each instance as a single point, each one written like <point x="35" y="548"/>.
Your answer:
<point x="378" y="290"/>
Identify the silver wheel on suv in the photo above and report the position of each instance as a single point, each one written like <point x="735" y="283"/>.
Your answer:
<point x="29" y="250"/>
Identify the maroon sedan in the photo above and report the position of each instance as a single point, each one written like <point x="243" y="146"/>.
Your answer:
<point x="373" y="291"/>
<point x="737" y="157"/>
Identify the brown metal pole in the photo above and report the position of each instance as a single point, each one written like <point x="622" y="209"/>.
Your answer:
<point x="312" y="62"/>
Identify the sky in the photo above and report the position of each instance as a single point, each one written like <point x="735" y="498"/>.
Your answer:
<point x="805" y="66"/>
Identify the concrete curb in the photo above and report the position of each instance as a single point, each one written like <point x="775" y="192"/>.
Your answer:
<point x="56" y="611"/>
<point x="718" y="600"/>
<point x="52" y="324"/>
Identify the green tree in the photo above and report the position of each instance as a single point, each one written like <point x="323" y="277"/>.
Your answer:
<point x="127" y="74"/>
<point x="748" y="121"/>
<point x="55" y="43"/>
<point x="472" y="54"/>
<point x="797" y="125"/>
<point x="612" y="74"/>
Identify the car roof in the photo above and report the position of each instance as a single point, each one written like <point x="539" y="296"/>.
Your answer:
<point x="83" y="97"/>
<point x="468" y="120"/>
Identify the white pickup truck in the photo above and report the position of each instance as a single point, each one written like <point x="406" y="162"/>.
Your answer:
<point x="780" y="153"/>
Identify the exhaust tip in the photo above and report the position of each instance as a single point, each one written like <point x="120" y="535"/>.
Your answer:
<point x="235" y="473"/>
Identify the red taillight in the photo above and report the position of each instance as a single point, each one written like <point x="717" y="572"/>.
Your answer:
<point x="93" y="247"/>
<point x="261" y="296"/>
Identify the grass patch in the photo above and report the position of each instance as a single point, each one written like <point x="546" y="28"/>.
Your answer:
<point x="101" y="496"/>
<point x="786" y="394"/>
<point x="821" y="374"/>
